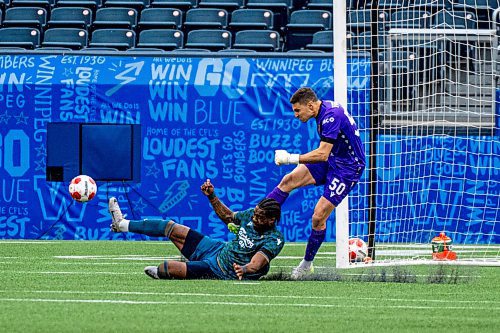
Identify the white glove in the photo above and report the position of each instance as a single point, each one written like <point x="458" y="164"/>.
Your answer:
<point x="282" y="157"/>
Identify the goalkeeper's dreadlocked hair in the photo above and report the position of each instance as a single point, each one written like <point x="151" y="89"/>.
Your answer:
<point x="271" y="208"/>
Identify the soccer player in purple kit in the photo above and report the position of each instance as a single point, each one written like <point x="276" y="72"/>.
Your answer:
<point x="337" y="164"/>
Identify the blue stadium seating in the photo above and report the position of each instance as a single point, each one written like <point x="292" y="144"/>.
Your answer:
<point x="321" y="4"/>
<point x="125" y="18"/>
<point x="280" y="8"/>
<point x="34" y="17"/>
<point x="47" y="4"/>
<point x="120" y="39"/>
<point x="165" y="39"/>
<point x="213" y="40"/>
<point x="26" y="38"/>
<point x="228" y="5"/>
<point x="70" y="17"/>
<point x="206" y="18"/>
<point x="179" y="4"/>
<point x="295" y="24"/>
<point x="251" y="19"/>
<point x="459" y="20"/>
<point x="72" y="38"/>
<point x="303" y="24"/>
<point x="259" y="40"/>
<point x="92" y="4"/>
<point x="160" y="18"/>
<point x="322" y="40"/>
<point x="410" y="19"/>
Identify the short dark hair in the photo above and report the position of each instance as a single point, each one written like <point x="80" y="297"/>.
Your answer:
<point x="271" y="208"/>
<point x="303" y="96"/>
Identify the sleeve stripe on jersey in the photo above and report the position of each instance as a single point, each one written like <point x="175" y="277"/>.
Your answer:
<point x="266" y="253"/>
<point x="328" y="140"/>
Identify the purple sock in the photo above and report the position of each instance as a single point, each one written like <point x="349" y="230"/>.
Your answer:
<point x="278" y="195"/>
<point x="313" y="243"/>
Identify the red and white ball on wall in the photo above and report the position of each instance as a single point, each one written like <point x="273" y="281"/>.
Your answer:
<point x="82" y="188"/>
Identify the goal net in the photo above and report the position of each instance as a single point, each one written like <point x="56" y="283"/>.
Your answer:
<point x="431" y="129"/>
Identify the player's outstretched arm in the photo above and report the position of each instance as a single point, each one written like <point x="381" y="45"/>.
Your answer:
<point x="320" y="154"/>
<point x="222" y="211"/>
<point x="258" y="261"/>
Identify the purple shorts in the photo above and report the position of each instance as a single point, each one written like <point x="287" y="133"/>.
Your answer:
<point x="338" y="182"/>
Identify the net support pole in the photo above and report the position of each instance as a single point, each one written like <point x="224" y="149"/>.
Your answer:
<point x="340" y="92"/>
<point x="374" y="132"/>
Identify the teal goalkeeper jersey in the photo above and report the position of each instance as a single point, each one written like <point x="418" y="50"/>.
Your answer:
<point x="247" y="243"/>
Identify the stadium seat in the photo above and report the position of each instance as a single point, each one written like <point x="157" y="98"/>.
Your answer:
<point x="47" y="4"/>
<point x="392" y="5"/>
<point x="228" y="5"/>
<point x="51" y="49"/>
<point x="194" y="51"/>
<point x="119" y="39"/>
<point x="145" y="50"/>
<point x="99" y="49"/>
<point x="403" y="65"/>
<point x="160" y="18"/>
<point x="364" y="41"/>
<point x="303" y="24"/>
<point x="165" y="39"/>
<point x="115" y="17"/>
<point x="26" y="38"/>
<point x="428" y="5"/>
<point x="70" y="17"/>
<point x="280" y="8"/>
<point x="321" y="4"/>
<point x="482" y="8"/>
<point x="179" y="4"/>
<point x="251" y="19"/>
<point x="454" y="20"/>
<point x="91" y="4"/>
<point x="72" y="38"/>
<point x="236" y="50"/>
<point x="359" y="21"/>
<point x="136" y="4"/>
<point x="206" y="18"/>
<point x="304" y="51"/>
<point x="322" y="40"/>
<point x="34" y="17"/>
<point x="259" y="40"/>
<point x="410" y="19"/>
<point x="213" y="40"/>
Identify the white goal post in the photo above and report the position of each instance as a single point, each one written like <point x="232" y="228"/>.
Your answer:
<point x="431" y="129"/>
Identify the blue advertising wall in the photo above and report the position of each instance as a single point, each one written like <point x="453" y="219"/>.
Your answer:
<point x="217" y="118"/>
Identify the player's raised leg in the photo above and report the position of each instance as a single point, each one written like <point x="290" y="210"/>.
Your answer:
<point x="300" y="176"/>
<point x="321" y="213"/>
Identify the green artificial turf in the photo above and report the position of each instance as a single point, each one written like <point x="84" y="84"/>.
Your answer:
<point x="99" y="286"/>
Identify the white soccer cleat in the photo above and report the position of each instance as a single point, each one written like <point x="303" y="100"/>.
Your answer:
<point x="152" y="272"/>
<point x="300" y="272"/>
<point x="116" y="214"/>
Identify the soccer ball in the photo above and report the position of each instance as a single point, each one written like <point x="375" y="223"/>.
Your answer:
<point x="82" y="188"/>
<point x="358" y="250"/>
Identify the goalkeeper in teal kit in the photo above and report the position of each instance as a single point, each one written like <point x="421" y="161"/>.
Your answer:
<point x="246" y="257"/>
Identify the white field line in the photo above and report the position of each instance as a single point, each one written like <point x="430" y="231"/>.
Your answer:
<point x="141" y="273"/>
<point x="140" y="293"/>
<point x="65" y="263"/>
<point x="299" y="305"/>
<point x="146" y="258"/>
<point x="73" y="272"/>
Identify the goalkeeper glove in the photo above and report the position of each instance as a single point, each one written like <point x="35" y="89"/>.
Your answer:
<point x="233" y="228"/>
<point x="282" y="157"/>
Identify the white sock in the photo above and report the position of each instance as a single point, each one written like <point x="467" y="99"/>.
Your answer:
<point x="305" y="264"/>
<point x="124" y="225"/>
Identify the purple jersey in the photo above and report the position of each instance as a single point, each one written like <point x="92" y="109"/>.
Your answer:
<point x="337" y="126"/>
